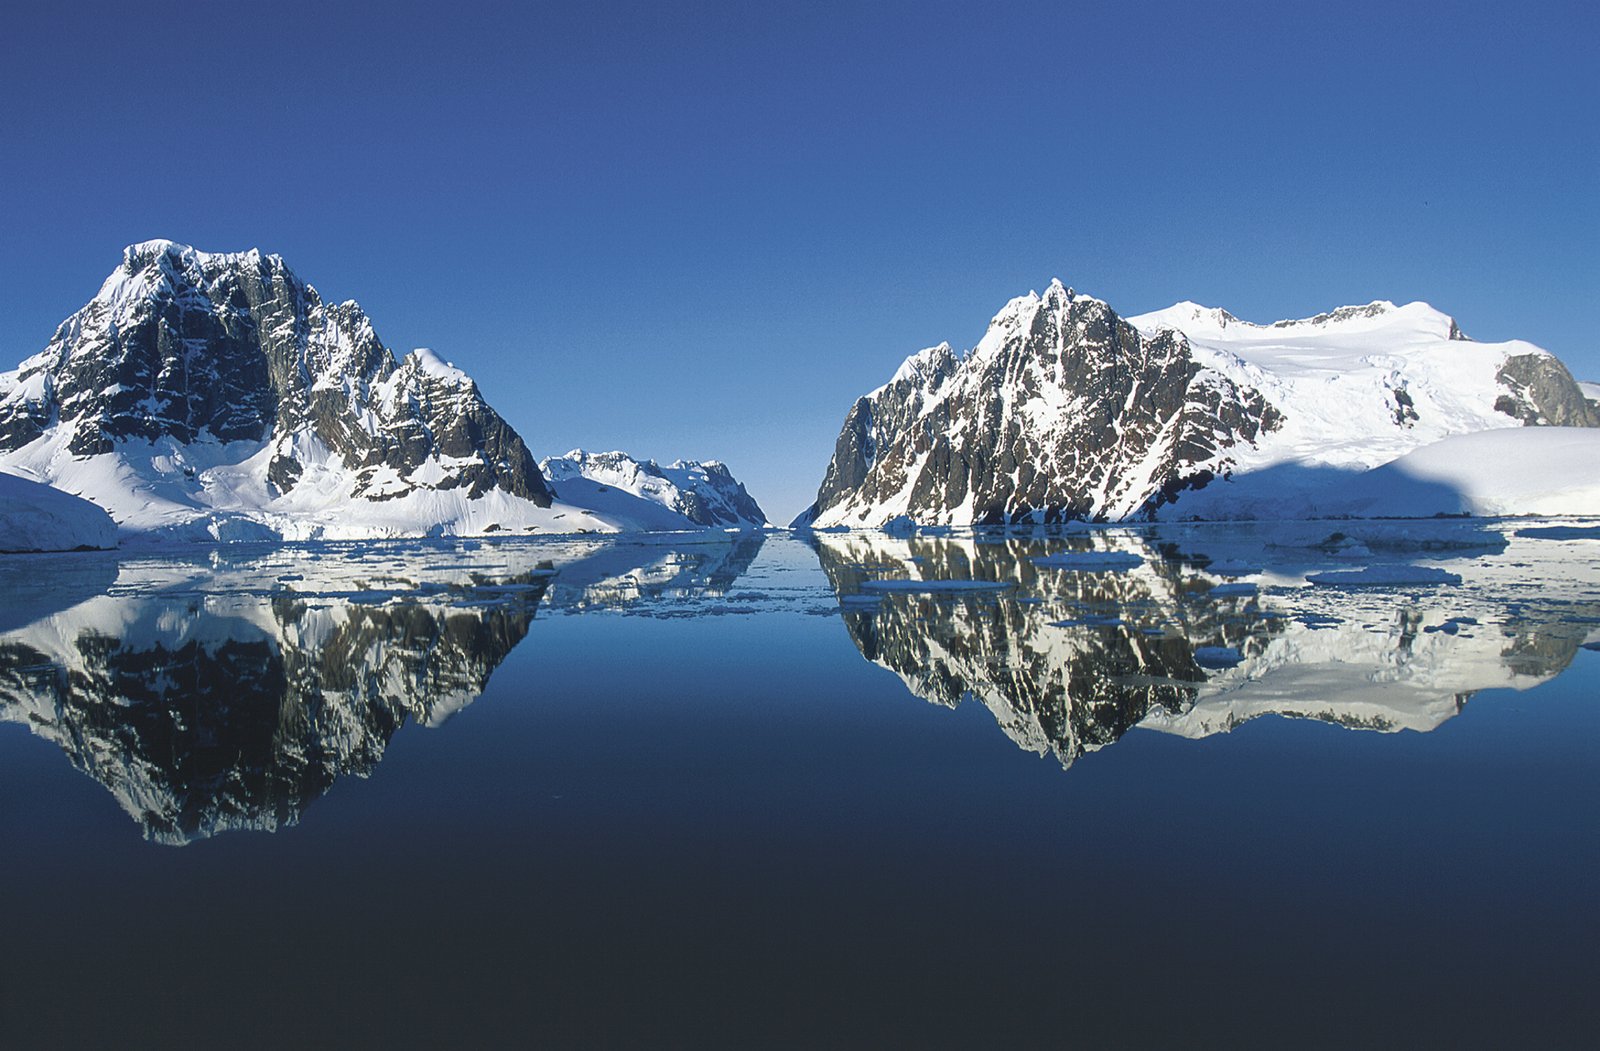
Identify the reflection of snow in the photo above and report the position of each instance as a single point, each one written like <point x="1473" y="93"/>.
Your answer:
<point x="1091" y="561"/>
<point x="282" y="669"/>
<point x="1068" y="662"/>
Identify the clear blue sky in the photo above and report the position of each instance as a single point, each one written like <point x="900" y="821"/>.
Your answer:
<point x="702" y="230"/>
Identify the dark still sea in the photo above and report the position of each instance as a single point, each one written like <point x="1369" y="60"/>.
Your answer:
<point x="1328" y="784"/>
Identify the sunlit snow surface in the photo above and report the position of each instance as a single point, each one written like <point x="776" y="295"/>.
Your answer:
<point x="1334" y="377"/>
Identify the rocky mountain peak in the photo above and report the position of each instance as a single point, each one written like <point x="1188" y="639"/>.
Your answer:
<point x="1062" y="410"/>
<point x="231" y="355"/>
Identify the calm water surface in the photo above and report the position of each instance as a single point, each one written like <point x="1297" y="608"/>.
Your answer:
<point x="804" y="789"/>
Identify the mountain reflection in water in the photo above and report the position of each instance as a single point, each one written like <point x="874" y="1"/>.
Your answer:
<point x="1069" y="659"/>
<point x="231" y="688"/>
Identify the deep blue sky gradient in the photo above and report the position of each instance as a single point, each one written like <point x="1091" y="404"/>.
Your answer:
<point x="702" y="230"/>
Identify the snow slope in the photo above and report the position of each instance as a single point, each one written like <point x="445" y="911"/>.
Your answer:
<point x="1505" y="471"/>
<point x="166" y="490"/>
<point x="686" y="494"/>
<point x="1358" y="386"/>
<point x="1394" y="387"/>
<point x="38" y="517"/>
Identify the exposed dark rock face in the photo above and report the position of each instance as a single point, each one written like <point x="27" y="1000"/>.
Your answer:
<point x="1350" y="313"/>
<point x="1540" y="390"/>
<point x="1405" y="410"/>
<point x="724" y="502"/>
<point x="198" y="347"/>
<point x="1063" y="411"/>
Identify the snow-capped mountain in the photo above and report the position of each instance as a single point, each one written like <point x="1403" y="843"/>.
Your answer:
<point x="38" y="517"/>
<point x="1066" y="410"/>
<point x="218" y="396"/>
<point x="687" y="494"/>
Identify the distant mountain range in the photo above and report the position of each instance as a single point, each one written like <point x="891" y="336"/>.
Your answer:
<point x="216" y="396"/>
<point x="1066" y="410"/>
<point x="682" y="495"/>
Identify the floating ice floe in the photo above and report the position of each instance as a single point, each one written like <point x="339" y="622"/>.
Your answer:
<point x="1088" y="621"/>
<point x="1561" y="532"/>
<point x="859" y="602"/>
<point x="1383" y="576"/>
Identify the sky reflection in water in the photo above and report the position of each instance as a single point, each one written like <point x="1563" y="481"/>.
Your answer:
<point x="683" y="781"/>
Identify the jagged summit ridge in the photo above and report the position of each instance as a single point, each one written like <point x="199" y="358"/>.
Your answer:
<point x="197" y="385"/>
<point x="1064" y="409"/>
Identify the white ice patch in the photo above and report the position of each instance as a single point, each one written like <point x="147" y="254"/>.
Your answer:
<point x="1384" y="576"/>
<point x="432" y="365"/>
